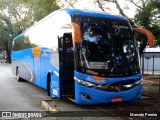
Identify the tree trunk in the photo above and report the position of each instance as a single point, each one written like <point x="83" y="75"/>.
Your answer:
<point x="7" y="52"/>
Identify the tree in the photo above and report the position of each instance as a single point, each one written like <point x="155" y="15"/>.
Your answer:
<point x="118" y="6"/>
<point x="41" y="8"/>
<point x="17" y="15"/>
<point x="67" y="3"/>
<point x="148" y="17"/>
<point x="5" y="36"/>
<point x="14" y="18"/>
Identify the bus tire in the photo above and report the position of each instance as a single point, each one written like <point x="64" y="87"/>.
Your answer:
<point x="18" y="76"/>
<point x="49" y="84"/>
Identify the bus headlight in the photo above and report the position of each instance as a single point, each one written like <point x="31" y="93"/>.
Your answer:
<point x="128" y="86"/>
<point x="88" y="84"/>
<point x="78" y="80"/>
<point x="138" y="82"/>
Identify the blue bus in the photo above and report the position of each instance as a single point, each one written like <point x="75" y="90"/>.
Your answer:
<point x="86" y="56"/>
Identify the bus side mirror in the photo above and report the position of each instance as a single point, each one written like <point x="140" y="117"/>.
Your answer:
<point x="76" y="34"/>
<point x="148" y="34"/>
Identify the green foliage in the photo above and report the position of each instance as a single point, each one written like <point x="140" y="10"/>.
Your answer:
<point x="14" y="18"/>
<point x="42" y="8"/>
<point x="18" y="15"/>
<point x="22" y="43"/>
<point x="149" y="18"/>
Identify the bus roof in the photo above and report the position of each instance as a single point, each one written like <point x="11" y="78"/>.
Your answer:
<point x="101" y="14"/>
<point x="79" y="12"/>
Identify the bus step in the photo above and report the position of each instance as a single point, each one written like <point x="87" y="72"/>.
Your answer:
<point x="67" y="95"/>
<point x="71" y="99"/>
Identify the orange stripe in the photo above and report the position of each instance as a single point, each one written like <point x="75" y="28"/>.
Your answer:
<point x="36" y="52"/>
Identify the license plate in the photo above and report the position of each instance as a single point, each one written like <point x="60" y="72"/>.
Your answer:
<point x="116" y="99"/>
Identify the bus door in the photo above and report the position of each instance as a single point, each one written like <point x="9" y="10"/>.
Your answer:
<point x="66" y="65"/>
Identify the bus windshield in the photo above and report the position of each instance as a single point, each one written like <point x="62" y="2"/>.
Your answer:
<point x="107" y="48"/>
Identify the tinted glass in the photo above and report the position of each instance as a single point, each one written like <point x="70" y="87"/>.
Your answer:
<point x="107" y="47"/>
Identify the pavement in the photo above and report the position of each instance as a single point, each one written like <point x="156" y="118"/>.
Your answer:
<point x="67" y="108"/>
<point x="45" y="105"/>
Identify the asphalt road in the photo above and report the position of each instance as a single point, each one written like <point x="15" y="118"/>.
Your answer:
<point x="18" y="96"/>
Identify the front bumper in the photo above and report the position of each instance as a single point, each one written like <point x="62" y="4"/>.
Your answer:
<point x="86" y="95"/>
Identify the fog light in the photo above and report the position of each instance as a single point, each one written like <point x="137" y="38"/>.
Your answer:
<point x="86" y="96"/>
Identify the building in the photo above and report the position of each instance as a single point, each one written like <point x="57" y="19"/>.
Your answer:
<point x="150" y="61"/>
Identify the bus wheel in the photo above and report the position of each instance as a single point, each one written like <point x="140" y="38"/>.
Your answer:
<point x="18" y="76"/>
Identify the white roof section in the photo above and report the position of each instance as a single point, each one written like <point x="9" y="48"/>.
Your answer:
<point x="157" y="49"/>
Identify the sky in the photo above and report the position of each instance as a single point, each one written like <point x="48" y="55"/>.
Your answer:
<point x="129" y="9"/>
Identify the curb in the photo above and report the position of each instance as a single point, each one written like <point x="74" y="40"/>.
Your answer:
<point x="48" y="108"/>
